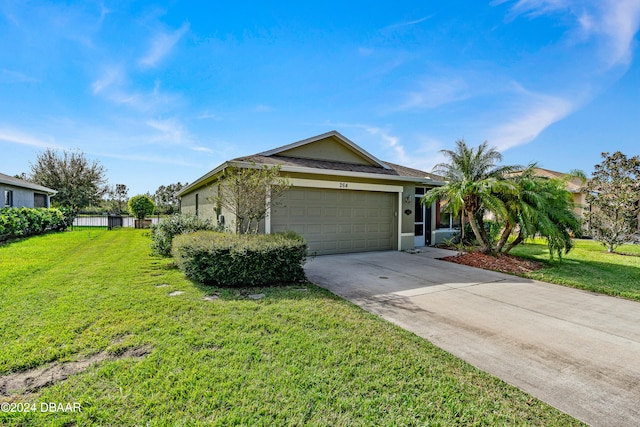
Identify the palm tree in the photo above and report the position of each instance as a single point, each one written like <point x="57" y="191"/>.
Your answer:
<point x="542" y="207"/>
<point x="474" y="181"/>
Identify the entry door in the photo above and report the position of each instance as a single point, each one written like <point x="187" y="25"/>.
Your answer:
<point x="422" y="224"/>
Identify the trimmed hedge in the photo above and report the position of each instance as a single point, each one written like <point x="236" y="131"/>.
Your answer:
<point x="162" y="234"/>
<point x="241" y="259"/>
<point x="23" y="222"/>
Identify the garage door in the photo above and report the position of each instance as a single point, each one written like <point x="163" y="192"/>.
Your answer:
<point x="338" y="221"/>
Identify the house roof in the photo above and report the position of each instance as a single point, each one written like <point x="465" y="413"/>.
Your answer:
<point x="286" y="157"/>
<point x="17" y="182"/>
<point x="574" y="185"/>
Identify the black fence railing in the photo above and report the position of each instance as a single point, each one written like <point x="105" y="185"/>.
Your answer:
<point x="108" y="221"/>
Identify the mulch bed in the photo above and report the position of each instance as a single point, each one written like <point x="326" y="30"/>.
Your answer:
<point x="504" y="263"/>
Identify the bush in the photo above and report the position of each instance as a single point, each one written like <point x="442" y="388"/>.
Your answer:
<point x="141" y="206"/>
<point x="23" y="222"/>
<point x="241" y="259"/>
<point x="162" y="234"/>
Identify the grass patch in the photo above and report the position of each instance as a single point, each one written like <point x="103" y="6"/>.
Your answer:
<point x="298" y="356"/>
<point x="588" y="266"/>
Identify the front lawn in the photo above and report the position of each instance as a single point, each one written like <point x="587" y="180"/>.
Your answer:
<point x="300" y="355"/>
<point x="588" y="266"/>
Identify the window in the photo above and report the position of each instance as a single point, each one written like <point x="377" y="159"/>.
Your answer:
<point x="197" y="203"/>
<point x="39" y="200"/>
<point x="447" y="220"/>
<point x="8" y="198"/>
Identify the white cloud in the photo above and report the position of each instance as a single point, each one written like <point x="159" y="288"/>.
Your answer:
<point x="613" y="23"/>
<point x="18" y="137"/>
<point x="9" y="76"/>
<point x="542" y="112"/>
<point x="263" y="108"/>
<point x="433" y="93"/>
<point x="405" y="24"/>
<point x="112" y="76"/>
<point x="171" y="130"/>
<point x="161" y="46"/>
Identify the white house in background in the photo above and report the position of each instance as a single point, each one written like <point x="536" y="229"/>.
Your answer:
<point x="18" y="193"/>
<point x="342" y="198"/>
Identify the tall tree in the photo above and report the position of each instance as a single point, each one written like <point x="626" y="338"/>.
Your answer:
<point x="119" y="195"/>
<point x="249" y="193"/>
<point x="540" y="206"/>
<point x="166" y="200"/>
<point x="474" y="179"/>
<point x="614" y="197"/>
<point x="78" y="181"/>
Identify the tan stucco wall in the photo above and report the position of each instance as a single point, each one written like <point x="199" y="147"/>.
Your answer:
<point x="207" y="207"/>
<point x="327" y="149"/>
<point x="580" y="204"/>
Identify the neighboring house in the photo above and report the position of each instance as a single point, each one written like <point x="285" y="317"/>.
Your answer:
<point x="342" y="198"/>
<point x="18" y="193"/>
<point x="574" y="185"/>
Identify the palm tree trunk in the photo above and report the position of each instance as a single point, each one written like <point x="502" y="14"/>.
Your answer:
<point x="515" y="243"/>
<point x="503" y="238"/>
<point x="476" y="231"/>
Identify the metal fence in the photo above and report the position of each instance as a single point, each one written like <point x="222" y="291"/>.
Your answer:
<point x="108" y="221"/>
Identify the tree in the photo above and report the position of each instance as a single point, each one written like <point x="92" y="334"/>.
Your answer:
<point x="165" y="198"/>
<point x="249" y="193"/>
<point x="78" y="181"/>
<point x="614" y="197"/>
<point x="540" y="206"/>
<point x="118" y="194"/>
<point x="141" y="206"/>
<point x="473" y="182"/>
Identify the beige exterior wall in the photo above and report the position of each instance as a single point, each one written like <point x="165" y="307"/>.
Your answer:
<point x="402" y="241"/>
<point x="326" y="149"/>
<point x="580" y="204"/>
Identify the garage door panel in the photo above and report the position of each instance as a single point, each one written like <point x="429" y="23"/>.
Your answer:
<point x="338" y="221"/>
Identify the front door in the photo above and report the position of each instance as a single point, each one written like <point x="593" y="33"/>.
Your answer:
<point x="422" y="224"/>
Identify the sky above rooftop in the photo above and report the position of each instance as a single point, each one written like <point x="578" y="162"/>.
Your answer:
<point x="160" y="92"/>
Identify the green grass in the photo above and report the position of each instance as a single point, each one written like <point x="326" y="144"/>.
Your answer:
<point x="295" y="357"/>
<point x="588" y="266"/>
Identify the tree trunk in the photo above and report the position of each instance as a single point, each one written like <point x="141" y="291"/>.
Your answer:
<point x="505" y="235"/>
<point x="476" y="231"/>
<point x="515" y="243"/>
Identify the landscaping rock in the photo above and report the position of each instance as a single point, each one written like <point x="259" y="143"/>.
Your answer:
<point x="256" y="296"/>
<point x="176" y="293"/>
<point x="211" y="297"/>
<point x="163" y="285"/>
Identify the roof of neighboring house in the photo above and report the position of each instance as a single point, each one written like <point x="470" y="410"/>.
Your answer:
<point x="289" y="157"/>
<point x="17" y="182"/>
<point x="574" y="185"/>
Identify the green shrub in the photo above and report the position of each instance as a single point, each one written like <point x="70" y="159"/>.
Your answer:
<point x="141" y="206"/>
<point x="23" y="222"/>
<point x="241" y="259"/>
<point x="162" y="234"/>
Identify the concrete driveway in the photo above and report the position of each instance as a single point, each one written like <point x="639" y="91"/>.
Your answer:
<point x="575" y="350"/>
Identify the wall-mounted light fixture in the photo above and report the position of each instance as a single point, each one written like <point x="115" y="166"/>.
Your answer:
<point x="407" y="199"/>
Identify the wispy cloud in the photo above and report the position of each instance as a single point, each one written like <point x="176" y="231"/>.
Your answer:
<point x="113" y="85"/>
<point x="171" y="130"/>
<point x="10" y="76"/>
<point x="161" y="46"/>
<point x="613" y="23"/>
<point x="263" y="108"/>
<point x="405" y="24"/>
<point x="541" y="112"/>
<point x="432" y="93"/>
<point x="112" y="76"/>
<point x="17" y="137"/>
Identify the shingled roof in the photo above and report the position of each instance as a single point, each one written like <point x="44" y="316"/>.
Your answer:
<point x="17" y="182"/>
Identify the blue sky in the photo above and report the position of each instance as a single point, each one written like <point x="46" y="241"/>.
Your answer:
<point x="165" y="91"/>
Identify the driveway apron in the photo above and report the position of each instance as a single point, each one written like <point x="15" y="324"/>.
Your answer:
<point x="576" y="350"/>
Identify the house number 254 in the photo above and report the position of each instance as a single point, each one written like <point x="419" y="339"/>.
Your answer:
<point x="344" y="185"/>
